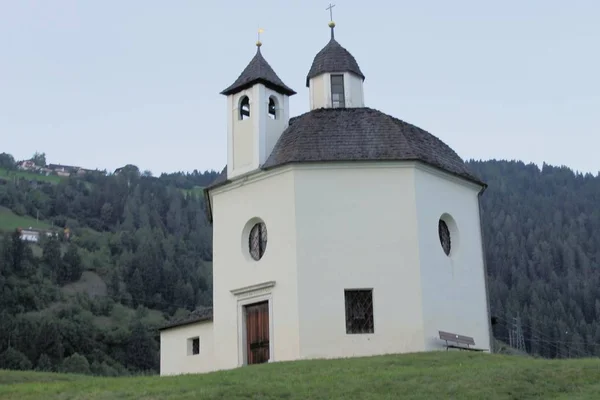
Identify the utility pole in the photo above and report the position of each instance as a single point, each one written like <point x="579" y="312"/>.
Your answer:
<point x="515" y="335"/>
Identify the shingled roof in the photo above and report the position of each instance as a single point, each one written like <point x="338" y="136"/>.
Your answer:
<point x="333" y="58"/>
<point x="258" y="71"/>
<point x="199" y="315"/>
<point x="359" y="134"/>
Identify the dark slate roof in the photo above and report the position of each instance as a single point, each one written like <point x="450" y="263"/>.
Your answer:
<point x="195" y="316"/>
<point x="221" y="178"/>
<point x="258" y="71"/>
<point x="359" y="134"/>
<point x="333" y="58"/>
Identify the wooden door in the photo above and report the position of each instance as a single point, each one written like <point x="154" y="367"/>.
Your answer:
<point x="257" y="333"/>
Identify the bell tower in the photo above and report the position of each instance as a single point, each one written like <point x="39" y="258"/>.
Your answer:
<point x="335" y="79"/>
<point x="257" y="114"/>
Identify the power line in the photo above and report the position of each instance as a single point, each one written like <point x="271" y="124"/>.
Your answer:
<point x="541" y="337"/>
<point x="516" y="337"/>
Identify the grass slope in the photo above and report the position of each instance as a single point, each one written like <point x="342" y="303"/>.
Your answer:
<point x="440" y="375"/>
<point x="7" y="175"/>
<point x="10" y="221"/>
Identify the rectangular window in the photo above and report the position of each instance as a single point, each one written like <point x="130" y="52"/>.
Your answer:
<point x="337" y="91"/>
<point x="193" y="346"/>
<point x="359" y="311"/>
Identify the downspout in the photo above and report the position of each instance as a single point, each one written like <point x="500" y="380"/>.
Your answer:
<point x="208" y="205"/>
<point x="485" y="274"/>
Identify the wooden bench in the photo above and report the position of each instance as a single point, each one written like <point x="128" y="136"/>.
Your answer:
<point x="460" y="341"/>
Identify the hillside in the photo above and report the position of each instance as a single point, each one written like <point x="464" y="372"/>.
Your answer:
<point x="453" y="375"/>
<point x="136" y="252"/>
<point x="542" y="236"/>
<point x="9" y="221"/>
<point x="117" y="256"/>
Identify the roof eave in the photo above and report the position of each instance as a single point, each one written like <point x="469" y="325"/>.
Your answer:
<point x="268" y="166"/>
<point x="206" y="190"/>
<point x="235" y="88"/>
<point x="312" y="75"/>
<point x="186" y="322"/>
<point x="208" y="210"/>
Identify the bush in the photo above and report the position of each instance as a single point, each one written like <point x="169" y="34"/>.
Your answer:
<point x="44" y="364"/>
<point x="76" y="364"/>
<point x="13" y="359"/>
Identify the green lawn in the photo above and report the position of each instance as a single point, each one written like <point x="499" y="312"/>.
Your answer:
<point x="7" y="175"/>
<point x="440" y="375"/>
<point x="10" y="221"/>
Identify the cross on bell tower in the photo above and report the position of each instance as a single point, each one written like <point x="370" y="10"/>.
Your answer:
<point x="258" y="42"/>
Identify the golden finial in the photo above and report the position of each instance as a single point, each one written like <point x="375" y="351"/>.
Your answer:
<point x="331" y="23"/>
<point x="258" y="42"/>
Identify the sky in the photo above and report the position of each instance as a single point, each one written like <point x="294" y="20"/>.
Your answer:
<point x="101" y="84"/>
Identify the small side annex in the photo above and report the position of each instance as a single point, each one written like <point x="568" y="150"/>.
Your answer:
<point x="189" y="346"/>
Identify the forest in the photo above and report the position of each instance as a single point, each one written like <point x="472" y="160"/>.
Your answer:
<point x="137" y="253"/>
<point x="542" y="243"/>
<point x="133" y="251"/>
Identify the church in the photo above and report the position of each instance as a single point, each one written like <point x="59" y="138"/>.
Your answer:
<point x="341" y="232"/>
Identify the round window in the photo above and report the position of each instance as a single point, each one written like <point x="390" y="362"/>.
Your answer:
<point x="257" y="241"/>
<point x="444" y="234"/>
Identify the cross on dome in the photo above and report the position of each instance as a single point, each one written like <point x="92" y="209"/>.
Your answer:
<point x="331" y="23"/>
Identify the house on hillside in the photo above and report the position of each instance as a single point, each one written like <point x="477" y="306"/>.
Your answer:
<point x="340" y="232"/>
<point x="45" y="171"/>
<point x="58" y="169"/>
<point x="31" y="166"/>
<point x="33" y="235"/>
<point x="30" y="235"/>
<point x="68" y="170"/>
<point x="27" y="165"/>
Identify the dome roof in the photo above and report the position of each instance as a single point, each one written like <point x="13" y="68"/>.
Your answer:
<point x="258" y="71"/>
<point x="359" y="134"/>
<point x="333" y="58"/>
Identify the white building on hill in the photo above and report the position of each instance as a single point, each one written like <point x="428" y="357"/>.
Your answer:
<point x="337" y="233"/>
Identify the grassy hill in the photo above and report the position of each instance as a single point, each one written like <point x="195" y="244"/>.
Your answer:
<point x="10" y="221"/>
<point x="440" y="375"/>
<point x="8" y="175"/>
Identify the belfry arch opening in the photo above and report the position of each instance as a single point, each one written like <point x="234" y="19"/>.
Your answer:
<point x="273" y="108"/>
<point x="244" y="108"/>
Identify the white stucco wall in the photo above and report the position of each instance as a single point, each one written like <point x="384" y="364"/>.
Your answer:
<point x="453" y="287"/>
<point x="333" y="227"/>
<point x="250" y="141"/>
<point x="357" y="228"/>
<point x="269" y="197"/>
<point x="320" y="91"/>
<point x="353" y="86"/>
<point x="317" y="97"/>
<point x="274" y="127"/>
<point x="241" y="134"/>
<point x="174" y="357"/>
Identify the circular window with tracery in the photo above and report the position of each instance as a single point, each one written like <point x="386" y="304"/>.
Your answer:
<point x="258" y="240"/>
<point x="444" y="234"/>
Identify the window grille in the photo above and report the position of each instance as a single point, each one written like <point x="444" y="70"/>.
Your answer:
<point x="359" y="311"/>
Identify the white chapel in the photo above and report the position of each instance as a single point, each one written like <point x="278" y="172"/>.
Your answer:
<point x="341" y="232"/>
